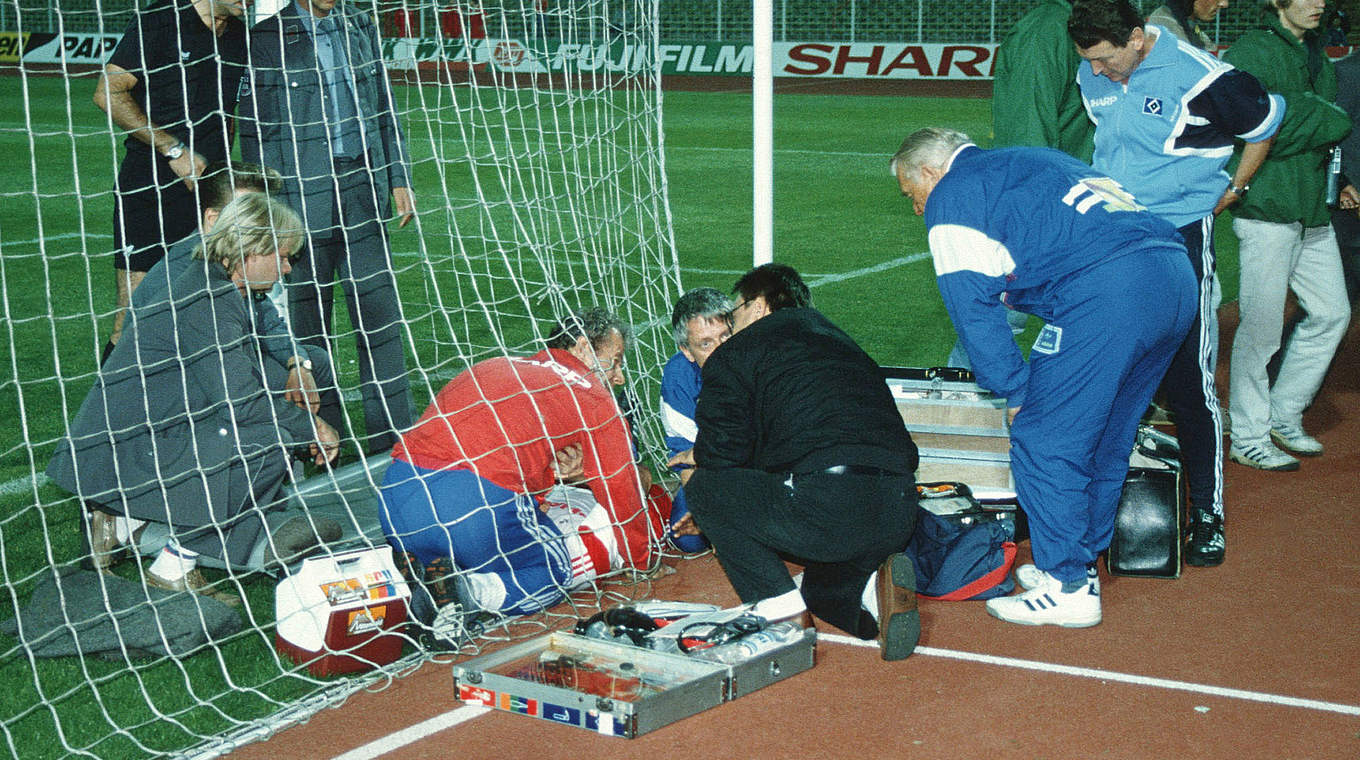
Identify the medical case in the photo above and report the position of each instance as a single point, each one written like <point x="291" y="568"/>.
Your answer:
<point x="617" y="689"/>
<point x="960" y="429"/>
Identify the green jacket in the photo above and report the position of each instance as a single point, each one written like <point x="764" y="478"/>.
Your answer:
<point x="1035" y="100"/>
<point x="1291" y="185"/>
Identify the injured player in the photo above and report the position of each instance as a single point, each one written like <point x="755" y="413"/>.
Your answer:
<point x="1114" y="286"/>
<point x="474" y="480"/>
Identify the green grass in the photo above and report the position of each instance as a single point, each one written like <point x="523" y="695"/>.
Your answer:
<point x="839" y="219"/>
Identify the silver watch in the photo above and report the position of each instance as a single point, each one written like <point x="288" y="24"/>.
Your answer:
<point x="175" y="151"/>
<point x="304" y="364"/>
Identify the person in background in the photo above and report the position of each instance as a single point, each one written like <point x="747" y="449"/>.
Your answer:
<point x="1345" y="221"/>
<point x="1287" y="243"/>
<point x="182" y="426"/>
<point x="171" y="83"/>
<point x="699" y="324"/>
<point x="1186" y="19"/>
<point x="316" y="106"/>
<point x="1167" y="115"/>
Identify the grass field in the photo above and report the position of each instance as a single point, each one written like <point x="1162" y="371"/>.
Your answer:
<point x="838" y="218"/>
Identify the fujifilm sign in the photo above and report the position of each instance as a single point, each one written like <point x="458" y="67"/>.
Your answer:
<point x="803" y="59"/>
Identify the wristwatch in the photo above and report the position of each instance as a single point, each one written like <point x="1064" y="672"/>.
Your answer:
<point x="305" y="364"/>
<point x="175" y="151"/>
<point x="1239" y="190"/>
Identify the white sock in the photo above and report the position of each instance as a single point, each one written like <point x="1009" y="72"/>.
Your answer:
<point x="868" y="599"/>
<point x="486" y="589"/>
<point x="124" y="527"/>
<point x="787" y="605"/>
<point x="174" y="562"/>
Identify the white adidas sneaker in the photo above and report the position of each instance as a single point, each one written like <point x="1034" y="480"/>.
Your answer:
<point x="1046" y="604"/>
<point x="1028" y="576"/>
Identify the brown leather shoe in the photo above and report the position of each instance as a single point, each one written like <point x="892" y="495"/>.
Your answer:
<point x="195" y="582"/>
<point x="899" y="623"/>
<point x="105" y="549"/>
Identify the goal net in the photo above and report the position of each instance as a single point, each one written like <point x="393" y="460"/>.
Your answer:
<point x="533" y="129"/>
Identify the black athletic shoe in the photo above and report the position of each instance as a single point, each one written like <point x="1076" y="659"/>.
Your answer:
<point x="1205" y="546"/>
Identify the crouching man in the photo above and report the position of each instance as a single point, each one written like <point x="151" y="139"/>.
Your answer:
<point x="1114" y="286"/>
<point x="801" y="455"/>
<point x="468" y="482"/>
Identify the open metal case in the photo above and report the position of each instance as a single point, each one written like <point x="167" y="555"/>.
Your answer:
<point x="615" y="689"/>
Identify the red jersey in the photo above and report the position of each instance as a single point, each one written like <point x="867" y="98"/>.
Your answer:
<point x="505" y="419"/>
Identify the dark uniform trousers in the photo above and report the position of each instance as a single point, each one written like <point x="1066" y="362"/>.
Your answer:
<point x="356" y="250"/>
<point x="840" y="528"/>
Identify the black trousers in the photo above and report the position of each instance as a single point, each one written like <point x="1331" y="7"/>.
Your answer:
<point x="840" y="528"/>
<point x="1189" y="384"/>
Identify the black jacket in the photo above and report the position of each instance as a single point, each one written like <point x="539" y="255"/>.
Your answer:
<point x="793" y="393"/>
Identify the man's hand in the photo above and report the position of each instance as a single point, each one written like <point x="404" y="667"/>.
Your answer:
<point x="405" y="203"/>
<point x="301" y="388"/>
<point x="189" y="167"/>
<point x="683" y="459"/>
<point x="1349" y="199"/>
<point x="645" y="475"/>
<point x="327" y="446"/>
<point x="686" y="527"/>
<point x="1228" y="199"/>
<point x="569" y="463"/>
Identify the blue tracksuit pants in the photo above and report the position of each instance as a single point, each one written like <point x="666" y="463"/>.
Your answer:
<point x="1109" y="339"/>
<point x="484" y="528"/>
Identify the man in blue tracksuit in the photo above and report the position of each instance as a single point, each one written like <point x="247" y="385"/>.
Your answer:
<point x="1166" y="116"/>
<point x="1117" y="294"/>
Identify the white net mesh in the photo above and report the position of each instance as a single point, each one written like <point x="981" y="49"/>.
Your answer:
<point x="538" y="192"/>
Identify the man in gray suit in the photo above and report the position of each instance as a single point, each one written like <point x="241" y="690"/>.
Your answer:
<point x="182" y="426"/>
<point x="316" y="106"/>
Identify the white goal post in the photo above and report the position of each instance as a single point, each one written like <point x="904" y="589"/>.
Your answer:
<point x="540" y="188"/>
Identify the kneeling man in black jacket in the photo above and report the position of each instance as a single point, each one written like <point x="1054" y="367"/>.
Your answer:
<point x="802" y="456"/>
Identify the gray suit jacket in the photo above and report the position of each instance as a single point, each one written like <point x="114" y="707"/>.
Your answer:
<point x="282" y="122"/>
<point x="180" y="422"/>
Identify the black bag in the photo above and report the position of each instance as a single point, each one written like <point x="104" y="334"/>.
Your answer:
<point x="1147" y="525"/>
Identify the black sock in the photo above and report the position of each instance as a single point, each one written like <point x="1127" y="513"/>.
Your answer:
<point x="104" y="355"/>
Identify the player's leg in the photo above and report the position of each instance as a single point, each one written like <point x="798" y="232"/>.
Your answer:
<point x="1267" y="253"/>
<point x="369" y="284"/>
<point x="1319" y="283"/>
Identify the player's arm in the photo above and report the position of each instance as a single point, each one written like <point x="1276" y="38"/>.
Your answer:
<point x="970" y="270"/>
<point x="113" y="95"/>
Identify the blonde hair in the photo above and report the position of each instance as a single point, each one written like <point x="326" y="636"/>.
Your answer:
<point x="251" y="224"/>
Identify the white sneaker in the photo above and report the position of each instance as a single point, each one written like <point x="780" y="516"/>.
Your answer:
<point x="1292" y="437"/>
<point x="1047" y="604"/>
<point x="1030" y="576"/>
<point x="1262" y="455"/>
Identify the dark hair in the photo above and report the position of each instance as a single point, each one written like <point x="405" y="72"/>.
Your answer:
<point x="704" y="303"/>
<point x="595" y="323"/>
<point x="780" y="285"/>
<point x="221" y="180"/>
<point x="1183" y="12"/>
<point x="1097" y="21"/>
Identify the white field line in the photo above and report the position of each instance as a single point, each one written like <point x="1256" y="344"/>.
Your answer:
<point x="399" y="739"/>
<point x="434" y="725"/>
<point x="1110" y="675"/>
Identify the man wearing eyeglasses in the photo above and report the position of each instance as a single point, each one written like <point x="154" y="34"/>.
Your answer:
<point x="699" y="324"/>
<point x="801" y="455"/>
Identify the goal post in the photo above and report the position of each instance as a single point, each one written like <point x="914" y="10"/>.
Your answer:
<point x="537" y="166"/>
